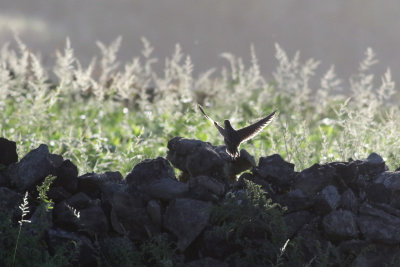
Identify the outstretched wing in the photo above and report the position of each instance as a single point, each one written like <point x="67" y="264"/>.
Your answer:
<point x="220" y="129"/>
<point x="250" y="131"/>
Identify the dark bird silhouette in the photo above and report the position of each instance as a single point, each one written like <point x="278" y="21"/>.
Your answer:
<point x="233" y="138"/>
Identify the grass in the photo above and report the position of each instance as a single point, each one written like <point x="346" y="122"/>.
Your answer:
<point x="108" y="118"/>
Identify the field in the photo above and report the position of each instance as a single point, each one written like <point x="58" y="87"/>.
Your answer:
<point x="109" y="117"/>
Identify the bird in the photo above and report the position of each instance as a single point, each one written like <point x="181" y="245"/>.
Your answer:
<point x="233" y="138"/>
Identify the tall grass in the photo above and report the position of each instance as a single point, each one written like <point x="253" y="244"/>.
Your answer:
<point x="110" y="116"/>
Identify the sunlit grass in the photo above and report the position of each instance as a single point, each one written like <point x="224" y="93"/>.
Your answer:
<point x="116" y="119"/>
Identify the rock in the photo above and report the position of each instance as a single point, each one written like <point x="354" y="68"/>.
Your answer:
<point x="206" y="188"/>
<point x="352" y="247"/>
<point x="312" y="239"/>
<point x="295" y="200"/>
<point x="93" y="220"/>
<point x="149" y="170"/>
<point x="391" y="180"/>
<point x="371" y="166"/>
<point x="379" y="226"/>
<point x="276" y="171"/>
<point x="200" y="158"/>
<point x="347" y="171"/>
<point x="58" y="194"/>
<point x="128" y="215"/>
<point x="207" y="262"/>
<point x="4" y="182"/>
<point x="221" y="246"/>
<point x="156" y="178"/>
<point x="65" y="216"/>
<point x="87" y="254"/>
<point x="67" y="176"/>
<point x="79" y="201"/>
<point x="33" y="168"/>
<point x="327" y="201"/>
<point x="378" y="255"/>
<point x="186" y="218"/>
<point x="165" y="189"/>
<point x="154" y="210"/>
<point x="348" y="201"/>
<point x="265" y="185"/>
<point x="340" y="225"/>
<point x="195" y="157"/>
<point x="92" y="183"/>
<point x="9" y="200"/>
<point x="315" y="178"/>
<point x="378" y="193"/>
<point x="41" y="219"/>
<point x="244" y="162"/>
<point x="295" y="221"/>
<point x="8" y="152"/>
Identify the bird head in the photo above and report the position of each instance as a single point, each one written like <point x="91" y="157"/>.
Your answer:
<point x="227" y="124"/>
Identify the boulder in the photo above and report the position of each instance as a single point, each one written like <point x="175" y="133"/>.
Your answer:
<point x="33" y="168"/>
<point x="198" y="158"/>
<point x="9" y="200"/>
<point x="186" y="219"/>
<point x="296" y="220"/>
<point x="206" y="188"/>
<point x="315" y="178"/>
<point x="378" y="226"/>
<point x="128" y="215"/>
<point x="58" y="194"/>
<point x="348" y="201"/>
<point x="154" y="210"/>
<point x="327" y="200"/>
<point x="276" y="170"/>
<point x="295" y="200"/>
<point x="340" y="225"/>
<point x="67" y="176"/>
<point x="156" y="178"/>
<point x="372" y="165"/>
<point x="8" y="152"/>
<point x="87" y="255"/>
<point x="207" y="262"/>
<point x="92" y="183"/>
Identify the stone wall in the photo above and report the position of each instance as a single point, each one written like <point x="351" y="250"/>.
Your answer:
<point x="347" y="211"/>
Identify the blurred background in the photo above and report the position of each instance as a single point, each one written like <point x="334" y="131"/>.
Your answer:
<point x="334" y="32"/>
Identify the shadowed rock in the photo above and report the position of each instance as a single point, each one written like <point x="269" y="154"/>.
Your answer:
<point x="276" y="171"/>
<point x="207" y="262"/>
<point x="186" y="218"/>
<point x="327" y="200"/>
<point x="67" y="176"/>
<point x="296" y="220"/>
<point x="206" y="188"/>
<point x="8" y="152"/>
<point x="315" y="178"/>
<point x="87" y="255"/>
<point x="156" y="178"/>
<point x="128" y="215"/>
<point x="197" y="158"/>
<point x="9" y="200"/>
<point x="340" y="224"/>
<point x="377" y="225"/>
<point x="349" y="201"/>
<point x="33" y="168"/>
<point x="92" y="183"/>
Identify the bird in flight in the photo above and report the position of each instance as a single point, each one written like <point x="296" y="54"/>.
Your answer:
<point x="233" y="138"/>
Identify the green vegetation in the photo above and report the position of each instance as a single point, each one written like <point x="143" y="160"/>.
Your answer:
<point x="107" y="118"/>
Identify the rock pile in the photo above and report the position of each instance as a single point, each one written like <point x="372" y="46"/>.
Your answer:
<point x="349" y="209"/>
